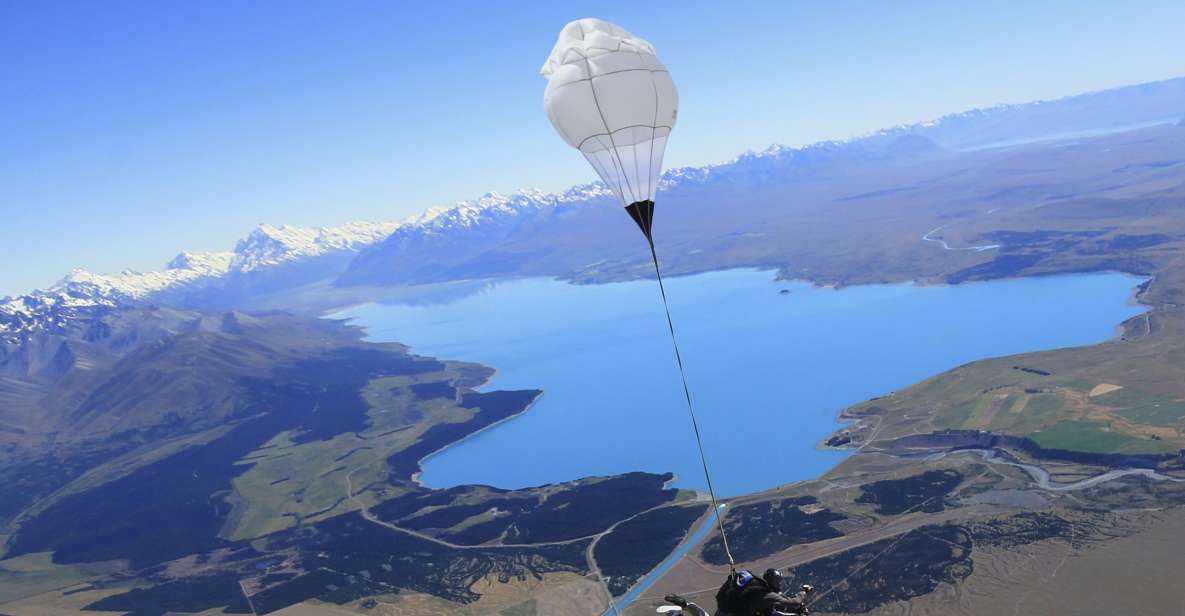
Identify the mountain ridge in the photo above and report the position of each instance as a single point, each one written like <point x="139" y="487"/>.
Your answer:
<point x="275" y="257"/>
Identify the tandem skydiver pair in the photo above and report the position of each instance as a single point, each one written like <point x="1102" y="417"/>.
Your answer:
<point x="742" y="594"/>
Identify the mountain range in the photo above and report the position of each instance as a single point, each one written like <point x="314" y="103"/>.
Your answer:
<point x="485" y="236"/>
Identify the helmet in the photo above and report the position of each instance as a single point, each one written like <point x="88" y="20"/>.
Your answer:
<point x="743" y="577"/>
<point x="774" y="578"/>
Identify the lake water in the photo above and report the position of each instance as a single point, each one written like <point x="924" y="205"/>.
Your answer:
<point x="768" y="370"/>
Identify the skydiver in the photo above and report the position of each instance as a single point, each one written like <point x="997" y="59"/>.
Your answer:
<point x="755" y="597"/>
<point x="776" y="602"/>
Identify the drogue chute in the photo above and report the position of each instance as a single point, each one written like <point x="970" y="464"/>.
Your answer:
<point x="610" y="97"/>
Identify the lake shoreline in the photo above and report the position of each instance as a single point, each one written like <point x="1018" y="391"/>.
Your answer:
<point x="720" y="295"/>
<point x="852" y="423"/>
<point x="841" y="418"/>
<point x="415" y="478"/>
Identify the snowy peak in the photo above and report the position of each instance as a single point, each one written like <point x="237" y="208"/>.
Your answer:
<point x="270" y="245"/>
<point x="487" y="207"/>
<point x="209" y="263"/>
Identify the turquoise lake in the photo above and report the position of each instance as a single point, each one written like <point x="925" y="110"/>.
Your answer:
<point x="769" y="370"/>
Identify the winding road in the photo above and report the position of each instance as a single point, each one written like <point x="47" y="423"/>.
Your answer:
<point x="370" y="517"/>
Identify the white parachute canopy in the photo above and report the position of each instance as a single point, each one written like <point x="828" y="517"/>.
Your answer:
<point x="609" y="97"/>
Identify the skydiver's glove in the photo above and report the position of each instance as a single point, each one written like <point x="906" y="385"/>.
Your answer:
<point x="675" y="600"/>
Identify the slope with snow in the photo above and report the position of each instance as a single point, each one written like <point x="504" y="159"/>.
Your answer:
<point x="267" y="247"/>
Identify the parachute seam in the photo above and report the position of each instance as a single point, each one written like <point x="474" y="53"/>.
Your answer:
<point x="612" y="142"/>
<point x="621" y="129"/>
<point x="624" y="70"/>
<point x="652" y="190"/>
<point x="637" y="172"/>
<point x="597" y="103"/>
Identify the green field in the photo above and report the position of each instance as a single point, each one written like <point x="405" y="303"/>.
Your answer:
<point x="288" y="482"/>
<point x="33" y="574"/>
<point x="1144" y="408"/>
<point x="1095" y="438"/>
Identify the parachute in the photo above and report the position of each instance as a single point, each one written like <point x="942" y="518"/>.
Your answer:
<point x="610" y="97"/>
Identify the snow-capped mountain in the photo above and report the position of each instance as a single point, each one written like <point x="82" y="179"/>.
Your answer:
<point x="188" y="275"/>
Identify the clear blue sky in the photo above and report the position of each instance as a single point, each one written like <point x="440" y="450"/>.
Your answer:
<point x="130" y="131"/>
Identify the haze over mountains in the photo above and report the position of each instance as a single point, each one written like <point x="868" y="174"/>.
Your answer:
<point x="533" y="232"/>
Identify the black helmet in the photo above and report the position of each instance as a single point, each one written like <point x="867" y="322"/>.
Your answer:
<point x="774" y="578"/>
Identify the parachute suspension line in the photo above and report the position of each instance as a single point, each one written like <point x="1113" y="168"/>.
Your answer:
<point x="687" y="395"/>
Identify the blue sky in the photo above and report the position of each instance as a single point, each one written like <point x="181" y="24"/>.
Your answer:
<point x="131" y="131"/>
